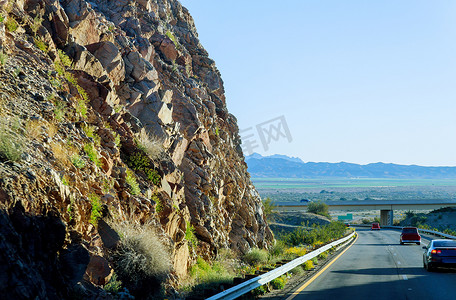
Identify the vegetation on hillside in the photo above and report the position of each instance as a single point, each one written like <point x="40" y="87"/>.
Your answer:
<point x="221" y="272"/>
<point x="269" y="207"/>
<point x="316" y="235"/>
<point x="318" y="208"/>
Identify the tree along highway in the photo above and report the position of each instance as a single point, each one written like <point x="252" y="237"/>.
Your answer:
<point x="378" y="267"/>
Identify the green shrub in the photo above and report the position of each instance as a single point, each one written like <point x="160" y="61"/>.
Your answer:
<point x="114" y="285"/>
<point x="82" y="93"/>
<point x="64" y="180"/>
<point x="95" y="213"/>
<point x="92" y="153"/>
<point x="35" y="26"/>
<point x="17" y="71"/>
<point x="366" y="221"/>
<point x="140" y="162"/>
<point x="40" y="44"/>
<point x="279" y="282"/>
<point x="205" y="272"/>
<point x="141" y="261"/>
<point x="56" y="83"/>
<point x="261" y="290"/>
<point x="171" y="36"/>
<point x="107" y="185"/>
<point x="318" y="208"/>
<point x="154" y="177"/>
<point x="256" y="256"/>
<point x="77" y="161"/>
<point x="323" y="255"/>
<point x="81" y="108"/>
<point x="269" y="207"/>
<point x="277" y="249"/>
<point x="297" y="271"/>
<point x="2" y="18"/>
<point x="315" y="235"/>
<point x="11" y="24"/>
<point x="131" y="181"/>
<point x="59" y="110"/>
<point x="417" y="220"/>
<point x="294" y="252"/>
<point x="158" y="204"/>
<point x="116" y="138"/>
<point x="70" y="209"/>
<point x="308" y="265"/>
<point x="90" y="132"/>
<point x="10" y="147"/>
<point x="64" y="59"/>
<point x="190" y="235"/>
<point x="449" y="231"/>
<point x="59" y="68"/>
<point x="3" y="58"/>
<point x="11" y="144"/>
<point x="65" y="62"/>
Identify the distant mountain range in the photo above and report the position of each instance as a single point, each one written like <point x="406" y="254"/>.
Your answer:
<point x="282" y="166"/>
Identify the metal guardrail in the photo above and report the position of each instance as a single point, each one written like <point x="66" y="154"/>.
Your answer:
<point x="437" y="233"/>
<point x="253" y="283"/>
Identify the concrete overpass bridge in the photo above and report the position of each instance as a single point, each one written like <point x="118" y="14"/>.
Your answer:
<point x="386" y="207"/>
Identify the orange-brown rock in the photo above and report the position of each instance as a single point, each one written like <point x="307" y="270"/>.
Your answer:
<point x="134" y="68"/>
<point x="98" y="270"/>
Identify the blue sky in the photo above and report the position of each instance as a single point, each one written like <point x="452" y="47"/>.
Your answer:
<point x="356" y="81"/>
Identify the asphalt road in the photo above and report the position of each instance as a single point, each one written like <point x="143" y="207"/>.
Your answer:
<point x="378" y="267"/>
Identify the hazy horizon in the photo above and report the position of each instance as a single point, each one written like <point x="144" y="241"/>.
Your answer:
<point x="336" y="162"/>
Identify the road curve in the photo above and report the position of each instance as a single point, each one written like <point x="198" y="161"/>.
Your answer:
<point x="378" y="267"/>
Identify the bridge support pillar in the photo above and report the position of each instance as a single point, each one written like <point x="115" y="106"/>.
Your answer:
<point x="386" y="217"/>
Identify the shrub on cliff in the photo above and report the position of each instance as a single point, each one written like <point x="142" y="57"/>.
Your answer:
<point x="11" y="144"/>
<point x="151" y="145"/>
<point x="256" y="256"/>
<point x="141" y="261"/>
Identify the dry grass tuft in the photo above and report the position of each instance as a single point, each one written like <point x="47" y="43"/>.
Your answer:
<point x="151" y="145"/>
<point x="34" y="128"/>
<point x="142" y="261"/>
<point x="51" y="129"/>
<point x="11" y="143"/>
<point x="60" y="153"/>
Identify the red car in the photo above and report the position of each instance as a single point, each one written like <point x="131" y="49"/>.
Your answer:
<point x="375" y="226"/>
<point x="410" y="235"/>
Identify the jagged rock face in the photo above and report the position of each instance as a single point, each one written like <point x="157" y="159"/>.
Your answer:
<point x="143" y="67"/>
<point x="189" y="111"/>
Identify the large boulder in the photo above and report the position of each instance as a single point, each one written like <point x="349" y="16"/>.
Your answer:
<point x="111" y="60"/>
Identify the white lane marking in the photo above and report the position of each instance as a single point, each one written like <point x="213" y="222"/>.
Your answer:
<point x="398" y="262"/>
<point x="404" y="277"/>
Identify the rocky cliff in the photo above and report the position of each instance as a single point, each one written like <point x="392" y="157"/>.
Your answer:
<point x="111" y="112"/>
